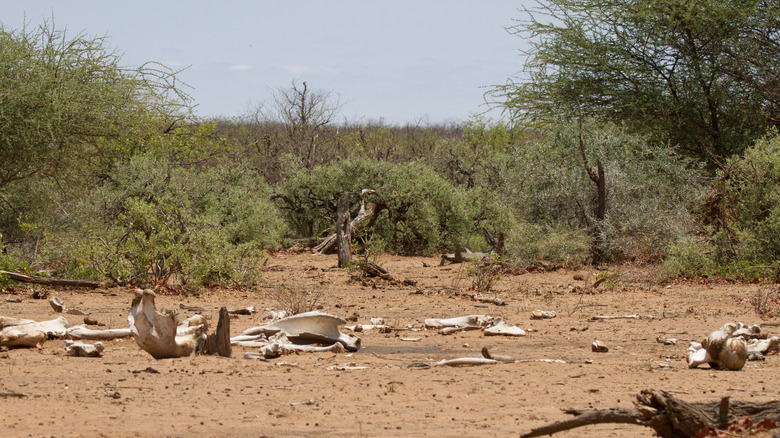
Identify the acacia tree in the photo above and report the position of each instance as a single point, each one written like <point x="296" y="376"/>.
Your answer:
<point x="68" y="111"/>
<point x="699" y="74"/>
<point x="67" y="103"/>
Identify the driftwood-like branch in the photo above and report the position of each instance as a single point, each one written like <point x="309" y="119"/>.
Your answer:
<point x="365" y="218"/>
<point x="16" y="276"/>
<point x="669" y="416"/>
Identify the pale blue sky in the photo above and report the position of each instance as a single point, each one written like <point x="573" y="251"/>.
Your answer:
<point x="398" y="60"/>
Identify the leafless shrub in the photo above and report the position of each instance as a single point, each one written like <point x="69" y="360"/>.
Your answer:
<point x="296" y="299"/>
<point x="766" y="301"/>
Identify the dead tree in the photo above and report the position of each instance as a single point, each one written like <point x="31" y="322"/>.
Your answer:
<point x="598" y="179"/>
<point x="669" y="416"/>
<point x="369" y="210"/>
<point x="343" y="231"/>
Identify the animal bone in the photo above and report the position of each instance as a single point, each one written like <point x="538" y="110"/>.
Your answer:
<point x="721" y="349"/>
<point x="243" y="311"/>
<point x="9" y="321"/>
<point x="156" y="333"/>
<point x="86" y="333"/>
<point x="763" y="345"/>
<point x="543" y="314"/>
<point x="32" y="334"/>
<point x="476" y="321"/>
<point x="309" y="327"/>
<point x="466" y="361"/>
<point x="81" y="349"/>
<point x="502" y="329"/>
<point x="596" y="318"/>
<point x="59" y="306"/>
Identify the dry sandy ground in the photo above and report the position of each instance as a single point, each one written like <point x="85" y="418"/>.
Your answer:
<point x="127" y="393"/>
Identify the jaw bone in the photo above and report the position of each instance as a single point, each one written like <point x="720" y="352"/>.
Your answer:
<point x="156" y="333"/>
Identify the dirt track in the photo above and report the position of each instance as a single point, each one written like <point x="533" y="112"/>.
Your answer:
<point x="127" y="393"/>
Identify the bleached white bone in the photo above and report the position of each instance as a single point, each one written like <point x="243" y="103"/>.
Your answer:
<point x="86" y="333"/>
<point x="9" y="321"/>
<point x="16" y="337"/>
<point x="502" y="329"/>
<point x="309" y="327"/>
<point x="33" y="333"/>
<point x="156" y="333"/>
<point x="466" y="361"/>
<point x="82" y="349"/>
<point x="763" y="345"/>
<point x="721" y="349"/>
<point x="461" y="321"/>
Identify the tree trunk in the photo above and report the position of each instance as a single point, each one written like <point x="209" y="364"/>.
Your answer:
<point x="343" y="231"/>
<point x="15" y="276"/>
<point x="364" y="219"/>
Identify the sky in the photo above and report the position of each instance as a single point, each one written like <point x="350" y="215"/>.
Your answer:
<point x="399" y="61"/>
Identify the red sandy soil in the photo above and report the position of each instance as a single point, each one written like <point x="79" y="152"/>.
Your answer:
<point x="128" y="393"/>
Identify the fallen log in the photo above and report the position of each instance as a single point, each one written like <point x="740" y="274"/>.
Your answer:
<point x="53" y="281"/>
<point x="669" y="416"/>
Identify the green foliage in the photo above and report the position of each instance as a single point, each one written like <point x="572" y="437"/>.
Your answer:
<point x="425" y="211"/>
<point x="749" y="205"/>
<point x="688" y="258"/>
<point x="691" y="73"/>
<point x="650" y="190"/>
<point x="557" y="245"/>
<point x="152" y="221"/>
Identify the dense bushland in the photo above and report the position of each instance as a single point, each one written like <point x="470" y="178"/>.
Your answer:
<point x="107" y="174"/>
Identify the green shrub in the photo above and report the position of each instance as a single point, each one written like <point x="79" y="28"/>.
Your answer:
<point x="424" y="211"/>
<point x="152" y="221"/>
<point x="688" y="258"/>
<point x="750" y="204"/>
<point x="650" y="189"/>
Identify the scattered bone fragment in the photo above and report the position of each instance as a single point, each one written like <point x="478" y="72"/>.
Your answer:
<point x="156" y="333"/>
<point x="721" y="349"/>
<point x="543" y="314"/>
<point x="598" y="347"/>
<point x="58" y="305"/>
<point x="242" y="311"/>
<point x="32" y="334"/>
<point x="6" y="393"/>
<point x="8" y="321"/>
<point x="86" y="333"/>
<point x="451" y="330"/>
<point x="499" y="357"/>
<point x="310" y="401"/>
<point x="763" y="346"/>
<point x="466" y="361"/>
<point x="12" y="300"/>
<point x="16" y="337"/>
<point x="237" y="340"/>
<point x="600" y="317"/>
<point x="475" y="321"/>
<point x="410" y="339"/>
<point x="196" y="309"/>
<point x="666" y="341"/>
<point x="488" y="300"/>
<point x="377" y="321"/>
<point x="83" y="349"/>
<point x="502" y="329"/>
<point x="550" y="361"/>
